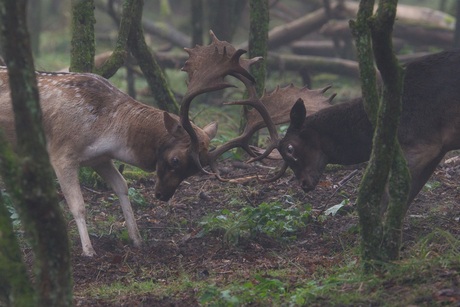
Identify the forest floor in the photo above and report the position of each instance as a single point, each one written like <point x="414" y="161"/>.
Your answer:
<point x="180" y="262"/>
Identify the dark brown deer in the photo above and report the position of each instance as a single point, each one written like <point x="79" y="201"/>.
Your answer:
<point x="89" y="122"/>
<point x="342" y="134"/>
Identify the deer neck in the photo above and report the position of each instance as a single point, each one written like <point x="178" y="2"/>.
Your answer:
<point x="346" y="133"/>
<point x="142" y="131"/>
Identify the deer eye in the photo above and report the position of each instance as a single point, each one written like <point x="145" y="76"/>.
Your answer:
<point x="175" y="162"/>
<point x="290" y="152"/>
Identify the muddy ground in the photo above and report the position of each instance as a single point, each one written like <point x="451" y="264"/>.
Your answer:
<point x="174" y="245"/>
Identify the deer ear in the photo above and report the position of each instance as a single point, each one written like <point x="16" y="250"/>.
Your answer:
<point x="298" y="114"/>
<point x="173" y="126"/>
<point x="211" y="130"/>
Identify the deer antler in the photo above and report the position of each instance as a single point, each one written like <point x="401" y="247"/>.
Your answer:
<point x="207" y="67"/>
<point x="280" y="101"/>
<point x="277" y="104"/>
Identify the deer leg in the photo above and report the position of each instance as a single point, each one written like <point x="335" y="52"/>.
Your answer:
<point x="70" y="186"/>
<point x="422" y="164"/>
<point x="112" y="176"/>
<point x="421" y="175"/>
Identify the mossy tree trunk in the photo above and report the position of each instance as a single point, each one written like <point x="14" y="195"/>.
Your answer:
<point x="380" y="225"/>
<point x="34" y="20"/>
<point x="258" y="37"/>
<point x="149" y="66"/>
<point x="130" y="36"/>
<point x="119" y="54"/>
<point x="28" y="176"/>
<point x="259" y="18"/>
<point x="82" y="44"/>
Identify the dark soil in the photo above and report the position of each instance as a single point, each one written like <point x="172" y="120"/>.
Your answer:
<point x="173" y="246"/>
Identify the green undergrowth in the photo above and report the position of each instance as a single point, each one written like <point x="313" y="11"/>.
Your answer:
<point x="428" y="272"/>
<point x="271" y="219"/>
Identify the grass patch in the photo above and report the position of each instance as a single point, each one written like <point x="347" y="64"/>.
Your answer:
<point x="271" y="219"/>
<point x="408" y="282"/>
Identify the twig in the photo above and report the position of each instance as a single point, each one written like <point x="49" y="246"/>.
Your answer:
<point x="339" y="187"/>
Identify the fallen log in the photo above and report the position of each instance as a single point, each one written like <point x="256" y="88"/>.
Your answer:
<point x="414" y="34"/>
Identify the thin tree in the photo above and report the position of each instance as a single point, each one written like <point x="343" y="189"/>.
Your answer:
<point x="130" y="39"/>
<point x="381" y="227"/>
<point x="149" y="66"/>
<point x="259" y="18"/>
<point x="196" y="9"/>
<point x="29" y="177"/>
<point x="83" y="46"/>
<point x="224" y="16"/>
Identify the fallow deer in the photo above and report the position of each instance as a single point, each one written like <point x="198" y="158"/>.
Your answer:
<point x="342" y="134"/>
<point x="89" y="122"/>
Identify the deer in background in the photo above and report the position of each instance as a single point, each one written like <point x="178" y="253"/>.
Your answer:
<point x="342" y="134"/>
<point x="89" y="122"/>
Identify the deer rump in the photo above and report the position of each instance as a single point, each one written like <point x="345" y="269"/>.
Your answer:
<point x="342" y="134"/>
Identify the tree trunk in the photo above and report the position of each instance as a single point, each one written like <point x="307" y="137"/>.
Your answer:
<point x="381" y="238"/>
<point x="82" y="44"/>
<point x="152" y="71"/>
<point x="15" y="286"/>
<point x="224" y="17"/>
<point x="197" y="22"/>
<point x="29" y="177"/>
<point x="284" y="34"/>
<point x="258" y="37"/>
<point x="118" y="57"/>
<point x="457" y="26"/>
<point x="34" y="20"/>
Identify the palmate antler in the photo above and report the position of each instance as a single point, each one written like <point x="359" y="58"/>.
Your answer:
<point x="207" y="67"/>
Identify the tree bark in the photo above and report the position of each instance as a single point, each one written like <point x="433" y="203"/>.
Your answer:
<point x="82" y="44"/>
<point x="118" y="57"/>
<point x="152" y="71"/>
<point x="197" y="22"/>
<point x="284" y="34"/>
<point x="29" y="177"/>
<point x="373" y="35"/>
<point x="457" y="26"/>
<point x="34" y="20"/>
<point x="224" y="16"/>
<point x="258" y="37"/>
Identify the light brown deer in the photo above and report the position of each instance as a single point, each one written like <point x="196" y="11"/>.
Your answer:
<point x="89" y="122"/>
